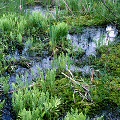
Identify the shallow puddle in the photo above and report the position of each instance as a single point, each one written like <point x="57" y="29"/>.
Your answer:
<point x="93" y="37"/>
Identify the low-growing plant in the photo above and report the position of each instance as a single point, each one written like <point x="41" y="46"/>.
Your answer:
<point x="7" y="6"/>
<point x="4" y="84"/>
<point x="58" y="36"/>
<point x="7" y="23"/>
<point x="15" y="29"/>
<point x="101" y="42"/>
<point x="37" y="47"/>
<point x="21" y="24"/>
<point x="48" y="81"/>
<point x="2" y="58"/>
<point x="62" y="62"/>
<point x="77" y="54"/>
<point x="30" y="2"/>
<point x="109" y="60"/>
<point x="34" y="104"/>
<point x="74" y="115"/>
<point x="47" y="3"/>
<point x="37" y="23"/>
<point x="2" y="103"/>
<point x="78" y="7"/>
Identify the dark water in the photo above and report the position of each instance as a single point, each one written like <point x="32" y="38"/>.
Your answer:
<point x="109" y="111"/>
<point x="8" y="113"/>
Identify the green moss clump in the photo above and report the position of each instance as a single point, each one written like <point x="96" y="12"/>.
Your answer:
<point x="110" y="60"/>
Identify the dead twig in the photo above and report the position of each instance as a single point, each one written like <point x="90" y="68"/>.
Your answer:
<point x="76" y="89"/>
<point x="73" y="81"/>
<point x="68" y="7"/>
<point x="92" y="76"/>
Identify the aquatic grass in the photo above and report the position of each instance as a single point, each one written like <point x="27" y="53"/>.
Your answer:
<point x="21" y="82"/>
<point x="37" y="47"/>
<point x="57" y="10"/>
<point x="19" y="38"/>
<point x="77" y="53"/>
<point x="92" y="12"/>
<point x="100" y="12"/>
<point x="58" y="36"/>
<point x="101" y="42"/>
<point x="2" y="58"/>
<point x="37" y="27"/>
<point x="1" y="105"/>
<point x="10" y="27"/>
<point x="46" y="3"/>
<point x="88" y="7"/>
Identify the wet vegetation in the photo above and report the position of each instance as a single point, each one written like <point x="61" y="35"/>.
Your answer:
<point x="57" y="91"/>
